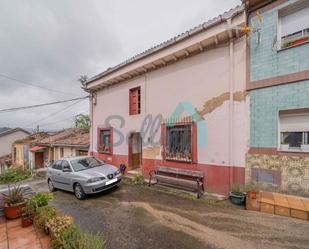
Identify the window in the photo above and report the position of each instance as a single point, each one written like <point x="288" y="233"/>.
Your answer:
<point x="294" y="130"/>
<point x="179" y="142"/>
<point x="66" y="165"/>
<point x="105" y="140"/>
<point x="135" y="101"/>
<point x="86" y="163"/>
<point x="294" y="25"/>
<point x="57" y="165"/>
<point x="61" y="152"/>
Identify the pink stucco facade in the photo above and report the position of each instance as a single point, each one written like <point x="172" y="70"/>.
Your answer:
<point x="213" y="82"/>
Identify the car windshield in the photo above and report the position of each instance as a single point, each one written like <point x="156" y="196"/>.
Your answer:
<point x="85" y="163"/>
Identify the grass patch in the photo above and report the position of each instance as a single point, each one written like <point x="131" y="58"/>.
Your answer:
<point x="14" y="175"/>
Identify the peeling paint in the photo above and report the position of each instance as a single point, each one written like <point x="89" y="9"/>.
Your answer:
<point x="151" y="152"/>
<point x="216" y="102"/>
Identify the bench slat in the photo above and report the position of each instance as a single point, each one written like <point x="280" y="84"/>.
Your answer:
<point x="177" y="181"/>
<point x="177" y="171"/>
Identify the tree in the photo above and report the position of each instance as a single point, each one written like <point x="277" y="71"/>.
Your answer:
<point x="82" y="121"/>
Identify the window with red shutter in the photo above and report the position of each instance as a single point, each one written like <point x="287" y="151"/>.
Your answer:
<point x="105" y="144"/>
<point x="135" y="101"/>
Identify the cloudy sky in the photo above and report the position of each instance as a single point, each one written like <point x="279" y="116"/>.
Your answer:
<point x="51" y="43"/>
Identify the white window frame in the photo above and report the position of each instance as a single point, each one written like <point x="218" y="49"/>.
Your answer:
<point x="304" y="32"/>
<point x="284" y="147"/>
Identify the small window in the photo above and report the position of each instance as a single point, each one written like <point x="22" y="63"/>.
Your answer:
<point x="294" y="25"/>
<point x="135" y="101"/>
<point x="105" y="141"/>
<point x="179" y="142"/>
<point x="294" y="130"/>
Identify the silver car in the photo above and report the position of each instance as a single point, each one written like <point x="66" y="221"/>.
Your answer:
<point x="82" y="175"/>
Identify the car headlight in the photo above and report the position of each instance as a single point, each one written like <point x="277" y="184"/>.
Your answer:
<point x="95" y="179"/>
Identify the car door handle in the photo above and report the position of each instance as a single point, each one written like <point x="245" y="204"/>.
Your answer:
<point x="58" y="174"/>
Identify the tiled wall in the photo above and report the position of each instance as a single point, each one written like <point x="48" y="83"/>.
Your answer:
<point x="265" y="106"/>
<point x="292" y="173"/>
<point x="266" y="62"/>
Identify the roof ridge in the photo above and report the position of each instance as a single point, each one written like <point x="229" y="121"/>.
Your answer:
<point x="196" y="29"/>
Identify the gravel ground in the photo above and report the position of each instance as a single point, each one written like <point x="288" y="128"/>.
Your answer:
<point x="133" y="217"/>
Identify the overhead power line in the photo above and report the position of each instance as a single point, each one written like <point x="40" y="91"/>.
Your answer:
<point x="39" y="105"/>
<point x="55" y="113"/>
<point x="33" y="85"/>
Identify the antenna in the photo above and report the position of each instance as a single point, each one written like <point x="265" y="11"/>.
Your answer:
<point x="252" y="28"/>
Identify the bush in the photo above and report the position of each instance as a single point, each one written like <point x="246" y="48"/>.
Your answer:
<point x="42" y="199"/>
<point x="44" y="214"/>
<point x="74" y="238"/>
<point x="138" y="179"/>
<point x="58" y="224"/>
<point x="14" y="175"/>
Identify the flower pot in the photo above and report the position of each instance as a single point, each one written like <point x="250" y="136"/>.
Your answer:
<point x="252" y="194"/>
<point x="26" y="221"/>
<point x="284" y="147"/>
<point x="305" y="147"/>
<point x="237" y="199"/>
<point x="14" y="211"/>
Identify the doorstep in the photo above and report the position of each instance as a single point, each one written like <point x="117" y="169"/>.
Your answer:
<point x="13" y="236"/>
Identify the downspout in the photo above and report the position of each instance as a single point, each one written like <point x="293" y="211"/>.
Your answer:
<point x="231" y="108"/>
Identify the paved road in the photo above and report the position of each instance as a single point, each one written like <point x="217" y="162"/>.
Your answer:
<point x="133" y="217"/>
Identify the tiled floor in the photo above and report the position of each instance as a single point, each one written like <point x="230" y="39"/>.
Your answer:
<point x="13" y="236"/>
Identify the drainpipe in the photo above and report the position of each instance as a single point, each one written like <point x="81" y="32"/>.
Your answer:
<point x="231" y="107"/>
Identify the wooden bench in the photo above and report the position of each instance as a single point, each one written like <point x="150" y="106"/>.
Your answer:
<point x="180" y="178"/>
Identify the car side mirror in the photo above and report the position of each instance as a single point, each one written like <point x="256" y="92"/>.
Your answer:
<point x="66" y="170"/>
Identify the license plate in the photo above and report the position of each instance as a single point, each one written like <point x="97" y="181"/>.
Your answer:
<point x="111" y="181"/>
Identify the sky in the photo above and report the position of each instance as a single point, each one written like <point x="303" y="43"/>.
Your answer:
<point x="46" y="45"/>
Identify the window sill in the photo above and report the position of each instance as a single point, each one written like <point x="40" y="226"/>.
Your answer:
<point x="178" y="160"/>
<point x="293" y="150"/>
<point x="293" y="46"/>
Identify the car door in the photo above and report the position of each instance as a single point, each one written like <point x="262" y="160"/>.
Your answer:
<point x="65" y="177"/>
<point x="56" y="168"/>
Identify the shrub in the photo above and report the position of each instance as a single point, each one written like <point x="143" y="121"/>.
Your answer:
<point x="42" y="199"/>
<point x="74" y="238"/>
<point x="14" y="175"/>
<point x="251" y="186"/>
<point x="138" y="179"/>
<point x="44" y="214"/>
<point x="14" y="196"/>
<point x="58" y="224"/>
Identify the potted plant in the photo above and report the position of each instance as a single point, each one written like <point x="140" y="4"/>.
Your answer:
<point x="14" y="202"/>
<point x="305" y="147"/>
<point x="28" y="213"/>
<point x="237" y="196"/>
<point x="284" y="146"/>
<point x="251" y="190"/>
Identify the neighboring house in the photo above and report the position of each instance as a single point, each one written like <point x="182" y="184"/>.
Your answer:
<point x="190" y="92"/>
<point x="278" y="81"/>
<point x="8" y="137"/>
<point x="69" y="142"/>
<point x="21" y="149"/>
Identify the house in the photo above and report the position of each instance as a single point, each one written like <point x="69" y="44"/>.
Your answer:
<point x="180" y="104"/>
<point x="278" y="82"/>
<point x="8" y="136"/>
<point x="69" y="142"/>
<point x="21" y="149"/>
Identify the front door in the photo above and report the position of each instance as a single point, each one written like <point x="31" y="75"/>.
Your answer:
<point x="135" y="151"/>
<point x="39" y="160"/>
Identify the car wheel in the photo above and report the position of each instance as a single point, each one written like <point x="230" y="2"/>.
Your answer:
<point x="79" y="192"/>
<point x="51" y="186"/>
